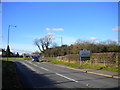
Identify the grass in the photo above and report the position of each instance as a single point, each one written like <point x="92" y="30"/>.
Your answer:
<point x="9" y="75"/>
<point x="85" y="65"/>
<point x="17" y="58"/>
<point x="115" y="68"/>
<point x="12" y="57"/>
<point x="27" y="58"/>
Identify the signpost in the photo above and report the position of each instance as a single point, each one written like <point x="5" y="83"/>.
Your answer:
<point x="84" y="55"/>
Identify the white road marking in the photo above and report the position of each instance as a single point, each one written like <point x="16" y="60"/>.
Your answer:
<point x="44" y="68"/>
<point x="66" y="77"/>
<point x="87" y="84"/>
<point x="55" y="72"/>
<point x="28" y="66"/>
<point x="38" y="66"/>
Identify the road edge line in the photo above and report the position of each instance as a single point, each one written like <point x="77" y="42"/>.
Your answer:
<point x="85" y="71"/>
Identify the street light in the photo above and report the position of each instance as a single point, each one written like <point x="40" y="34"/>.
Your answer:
<point x="61" y="39"/>
<point x="8" y="38"/>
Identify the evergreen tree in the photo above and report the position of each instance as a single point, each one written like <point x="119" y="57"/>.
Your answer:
<point x="17" y="55"/>
<point x="8" y="51"/>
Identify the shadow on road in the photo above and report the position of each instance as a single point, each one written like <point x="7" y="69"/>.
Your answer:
<point x="30" y="79"/>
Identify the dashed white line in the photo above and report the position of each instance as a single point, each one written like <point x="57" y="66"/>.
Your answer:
<point x="66" y="77"/>
<point x="28" y="66"/>
<point x="55" y="73"/>
<point x="44" y="68"/>
<point x="38" y="66"/>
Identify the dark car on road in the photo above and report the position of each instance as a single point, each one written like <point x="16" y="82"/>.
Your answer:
<point x="35" y="58"/>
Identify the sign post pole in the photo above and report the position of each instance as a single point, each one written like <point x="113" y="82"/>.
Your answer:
<point x="84" y="54"/>
<point x="80" y="60"/>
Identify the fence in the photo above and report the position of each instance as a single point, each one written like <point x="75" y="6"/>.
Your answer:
<point x="109" y="58"/>
<point x="69" y="58"/>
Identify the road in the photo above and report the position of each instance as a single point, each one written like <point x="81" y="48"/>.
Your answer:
<point x="46" y="75"/>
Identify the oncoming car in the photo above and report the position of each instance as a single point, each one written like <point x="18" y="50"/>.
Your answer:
<point x="35" y="58"/>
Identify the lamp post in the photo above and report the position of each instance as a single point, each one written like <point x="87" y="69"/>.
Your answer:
<point x="61" y="39"/>
<point x="8" y="40"/>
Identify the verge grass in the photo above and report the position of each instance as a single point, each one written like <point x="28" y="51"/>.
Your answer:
<point x="9" y="76"/>
<point x="12" y="57"/>
<point x="84" y="65"/>
<point x="17" y="58"/>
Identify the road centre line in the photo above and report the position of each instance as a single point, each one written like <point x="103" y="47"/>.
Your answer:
<point x="66" y="77"/>
<point x="28" y="66"/>
<point x="44" y="68"/>
<point x="55" y="72"/>
<point x="85" y="71"/>
<point x="38" y="66"/>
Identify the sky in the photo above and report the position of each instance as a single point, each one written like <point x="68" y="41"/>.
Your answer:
<point x="96" y="21"/>
<point x="60" y="0"/>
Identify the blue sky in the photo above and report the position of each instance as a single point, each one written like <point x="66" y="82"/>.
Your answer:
<point x="69" y="20"/>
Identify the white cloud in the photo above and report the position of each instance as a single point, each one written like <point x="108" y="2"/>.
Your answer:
<point x="48" y="37"/>
<point x="50" y="33"/>
<point x="93" y="38"/>
<point x="57" y="29"/>
<point x="47" y="29"/>
<point x="54" y="29"/>
<point x="20" y="51"/>
<point x="116" y="29"/>
<point x="23" y="48"/>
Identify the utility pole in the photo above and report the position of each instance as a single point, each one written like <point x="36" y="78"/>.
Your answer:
<point x="61" y="41"/>
<point x="8" y="48"/>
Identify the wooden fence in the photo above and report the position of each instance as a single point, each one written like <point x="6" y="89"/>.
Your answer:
<point x="108" y="58"/>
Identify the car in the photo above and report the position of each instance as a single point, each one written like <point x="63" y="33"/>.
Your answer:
<point x="35" y="58"/>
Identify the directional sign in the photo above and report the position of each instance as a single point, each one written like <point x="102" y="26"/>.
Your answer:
<point x="84" y="53"/>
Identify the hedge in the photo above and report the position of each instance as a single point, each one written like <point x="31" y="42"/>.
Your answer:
<point x="108" y="58"/>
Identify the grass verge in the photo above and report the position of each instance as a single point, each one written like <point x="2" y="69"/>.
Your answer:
<point x="85" y="65"/>
<point x="12" y="57"/>
<point x="9" y="76"/>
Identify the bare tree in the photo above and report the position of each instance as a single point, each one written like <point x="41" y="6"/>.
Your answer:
<point x="54" y="45"/>
<point x="43" y="43"/>
<point x="36" y="42"/>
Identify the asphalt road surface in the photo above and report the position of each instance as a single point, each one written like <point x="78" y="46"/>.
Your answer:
<point x="46" y="75"/>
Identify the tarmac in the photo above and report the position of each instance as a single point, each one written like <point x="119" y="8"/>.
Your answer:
<point x="111" y="74"/>
<point x="100" y="72"/>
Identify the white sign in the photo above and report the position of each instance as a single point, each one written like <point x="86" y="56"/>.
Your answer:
<point x="84" y="53"/>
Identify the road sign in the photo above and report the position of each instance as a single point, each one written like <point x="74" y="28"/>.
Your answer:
<point x="84" y="53"/>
